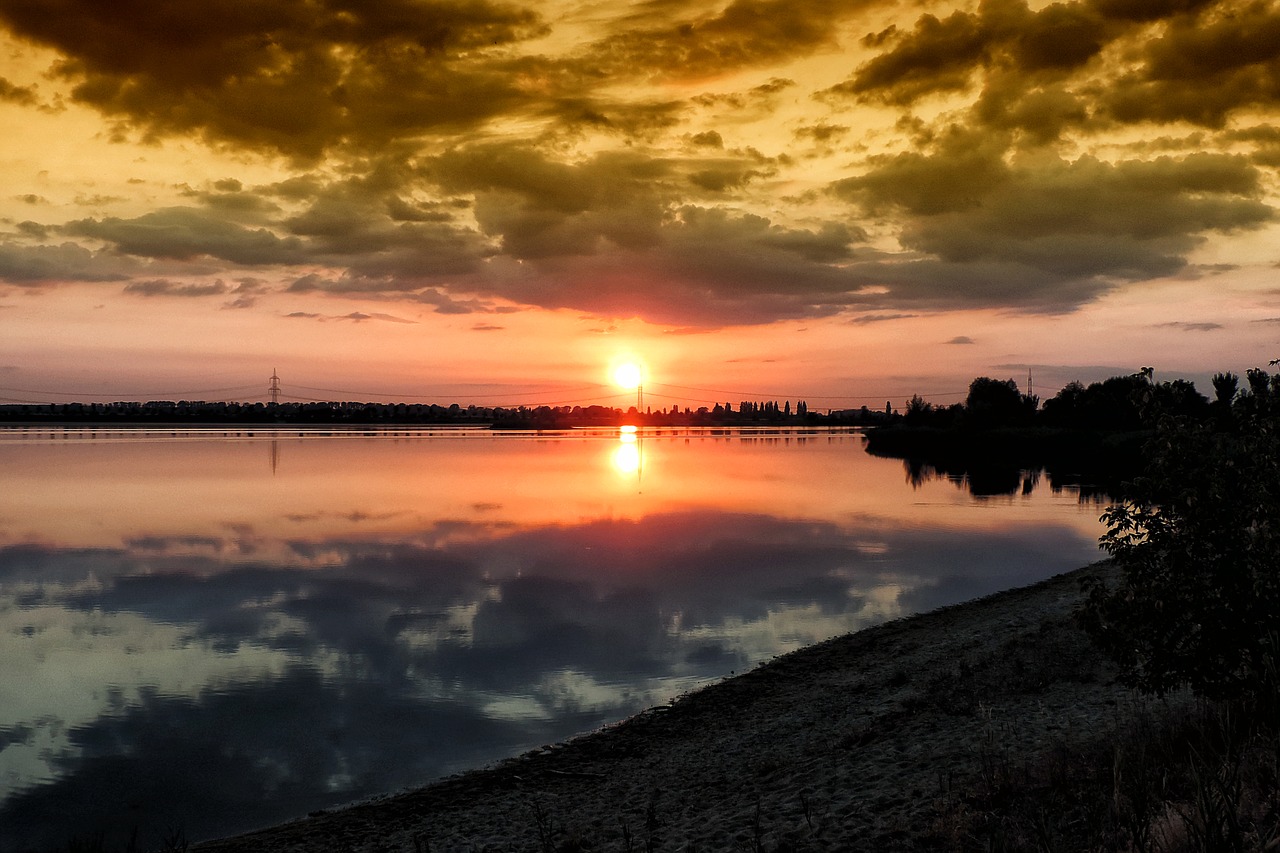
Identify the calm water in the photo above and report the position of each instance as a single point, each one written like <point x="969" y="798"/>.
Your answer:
<point x="221" y="630"/>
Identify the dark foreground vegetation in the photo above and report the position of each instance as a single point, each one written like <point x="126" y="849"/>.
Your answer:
<point x="1195" y="527"/>
<point x="1193" y="607"/>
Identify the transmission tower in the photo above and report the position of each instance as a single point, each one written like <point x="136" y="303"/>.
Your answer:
<point x="273" y="390"/>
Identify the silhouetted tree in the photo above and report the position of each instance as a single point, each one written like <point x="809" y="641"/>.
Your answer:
<point x="994" y="403"/>
<point x="918" y="411"/>
<point x="1197" y="540"/>
<point x="1114" y="404"/>
<point x="1225" y="388"/>
<point x="1180" y="397"/>
<point x="1066" y="408"/>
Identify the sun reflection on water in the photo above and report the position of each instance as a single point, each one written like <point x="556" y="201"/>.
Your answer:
<point x="626" y="457"/>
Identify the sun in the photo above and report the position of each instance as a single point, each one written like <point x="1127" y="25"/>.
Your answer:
<point x="628" y="374"/>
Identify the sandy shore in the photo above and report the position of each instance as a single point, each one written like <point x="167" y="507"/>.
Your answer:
<point x="867" y="742"/>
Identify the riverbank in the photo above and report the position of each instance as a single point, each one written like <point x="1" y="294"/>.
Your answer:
<point x="885" y="739"/>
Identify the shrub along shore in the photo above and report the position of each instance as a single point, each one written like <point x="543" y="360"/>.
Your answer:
<point x="989" y="725"/>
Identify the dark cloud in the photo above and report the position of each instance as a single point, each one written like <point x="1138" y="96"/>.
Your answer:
<point x="445" y="304"/>
<point x="1146" y="10"/>
<point x="292" y="76"/>
<point x="1042" y="71"/>
<point x="97" y="200"/>
<point x="720" y="178"/>
<point x="745" y="33"/>
<point x="706" y="266"/>
<point x="354" y="317"/>
<point x="822" y="132"/>
<point x="1266" y="141"/>
<point x="602" y="235"/>
<point x="235" y="201"/>
<point x="939" y="55"/>
<point x="392" y="288"/>
<point x="384" y="241"/>
<point x="1044" y="230"/>
<point x="1202" y="68"/>
<point x="36" y="265"/>
<point x="867" y="319"/>
<point x="34" y="229"/>
<point x="1191" y="327"/>
<point x="1040" y="113"/>
<point x="961" y="339"/>
<point x="360" y="316"/>
<point x="14" y="94"/>
<point x="538" y="207"/>
<point x="1005" y="36"/>
<point x="184" y="233"/>
<point x="164" y="287"/>
<point x="630" y="120"/>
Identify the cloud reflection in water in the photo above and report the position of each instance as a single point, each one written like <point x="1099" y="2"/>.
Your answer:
<point x="200" y="680"/>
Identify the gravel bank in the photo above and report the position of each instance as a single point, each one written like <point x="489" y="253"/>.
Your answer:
<point x="868" y="741"/>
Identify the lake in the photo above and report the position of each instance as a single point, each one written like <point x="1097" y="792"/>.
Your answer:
<point x="213" y="631"/>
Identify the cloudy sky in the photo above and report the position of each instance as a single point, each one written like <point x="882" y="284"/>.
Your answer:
<point x="493" y="201"/>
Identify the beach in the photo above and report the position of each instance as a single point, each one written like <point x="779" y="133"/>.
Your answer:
<point x="875" y="740"/>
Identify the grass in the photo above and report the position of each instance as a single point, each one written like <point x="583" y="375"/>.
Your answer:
<point x="1185" y="777"/>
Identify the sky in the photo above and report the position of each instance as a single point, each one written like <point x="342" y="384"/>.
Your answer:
<point x="843" y="201"/>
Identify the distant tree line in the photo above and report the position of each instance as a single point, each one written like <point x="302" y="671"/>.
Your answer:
<point x="366" y="413"/>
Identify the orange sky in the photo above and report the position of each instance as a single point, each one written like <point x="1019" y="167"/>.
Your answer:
<point x="492" y="202"/>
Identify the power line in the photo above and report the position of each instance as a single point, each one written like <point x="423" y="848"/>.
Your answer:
<point x="129" y="393"/>
<point x="436" y="394"/>
<point x="800" y="396"/>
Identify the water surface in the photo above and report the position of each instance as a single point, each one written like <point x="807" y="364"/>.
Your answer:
<point x="219" y="630"/>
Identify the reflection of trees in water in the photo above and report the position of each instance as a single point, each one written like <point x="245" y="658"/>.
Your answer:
<point x="989" y="479"/>
<point x="997" y="461"/>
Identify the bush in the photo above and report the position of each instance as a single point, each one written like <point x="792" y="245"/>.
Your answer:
<point x="1197" y="540"/>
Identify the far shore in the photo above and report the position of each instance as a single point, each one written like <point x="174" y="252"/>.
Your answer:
<point x="877" y="740"/>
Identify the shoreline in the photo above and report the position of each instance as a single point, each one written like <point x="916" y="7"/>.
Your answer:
<point x="868" y="739"/>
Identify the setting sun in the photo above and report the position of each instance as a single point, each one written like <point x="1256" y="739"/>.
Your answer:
<point x="628" y="375"/>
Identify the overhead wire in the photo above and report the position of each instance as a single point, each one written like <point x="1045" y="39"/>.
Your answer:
<point x="437" y="394"/>
<point x="745" y="394"/>
<point x="122" y="394"/>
